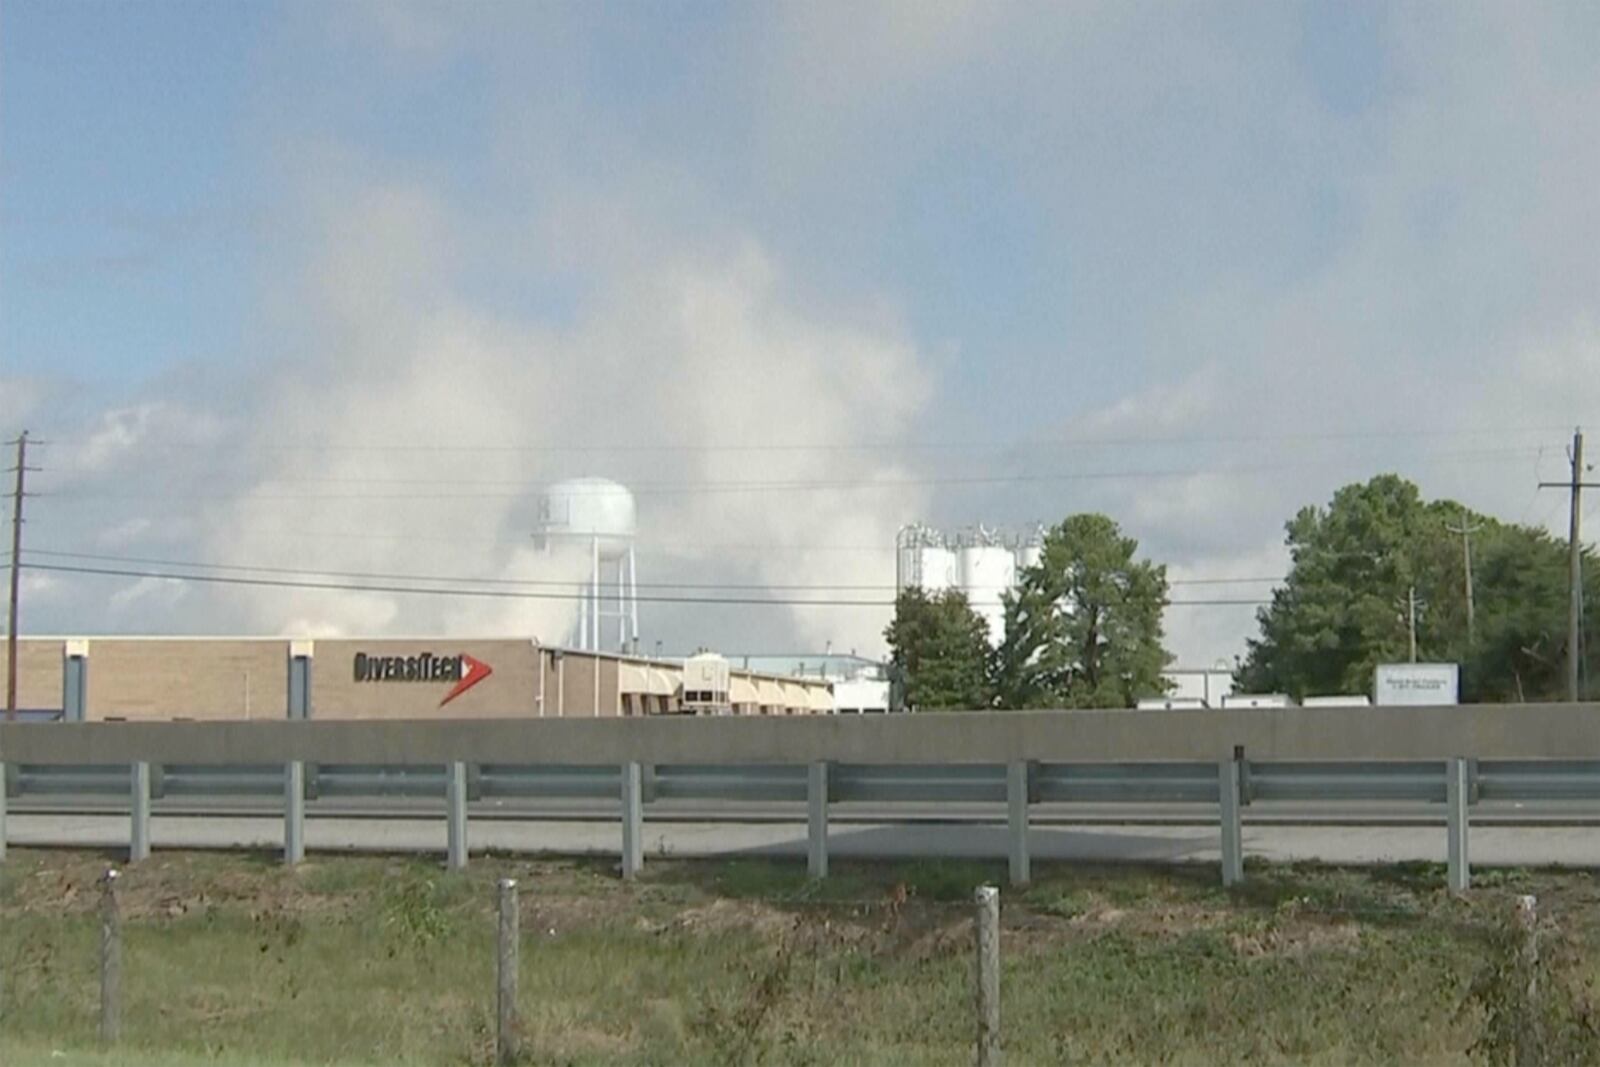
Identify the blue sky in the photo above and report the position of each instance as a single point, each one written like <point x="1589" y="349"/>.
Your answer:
<point x="901" y="224"/>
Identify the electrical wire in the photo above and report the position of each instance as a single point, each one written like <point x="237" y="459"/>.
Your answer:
<point x="514" y="594"/>
<point x="1080" y="441"/>
<point x="533" y="582"/>
<point x="694" y="488"/>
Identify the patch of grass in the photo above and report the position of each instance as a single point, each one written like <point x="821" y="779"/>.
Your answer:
<point x="372" y="960"/>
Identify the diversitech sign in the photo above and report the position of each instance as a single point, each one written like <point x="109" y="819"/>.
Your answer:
<point x="464" y="670"/>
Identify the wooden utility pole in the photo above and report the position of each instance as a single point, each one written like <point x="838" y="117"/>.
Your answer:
<point x="1574" y="562"/>
<point x="1411" y="619"/>
<point x="1466" y="531"/>
<point x="16" y="562"/>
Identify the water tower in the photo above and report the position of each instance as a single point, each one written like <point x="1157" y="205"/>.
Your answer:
<point x="597" y="516"/>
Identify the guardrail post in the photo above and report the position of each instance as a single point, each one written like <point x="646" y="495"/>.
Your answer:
<point x="1228" y="816"/>
<point x="110" y="960"/>
<point x="509" y="945"/>
<point x="139" y="831"/>
<point x="456" y="817"/>
<point x="1246" y="787"/>
<point x="294" y="812"/>
<point x="1017" y="821"/>
<point x="632" y="822"/>
<point x="986" y="922"/>
<point x="1455" y="799"/>
<point x="817" y="820"/>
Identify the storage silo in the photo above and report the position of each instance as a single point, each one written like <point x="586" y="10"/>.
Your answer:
<point x="1031" y="551"/>
<point x="924" y="559"/>
<point x="988" y="571"/>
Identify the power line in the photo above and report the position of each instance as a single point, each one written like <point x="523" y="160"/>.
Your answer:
<point x="512" y="594"/>
<point x="530" y="582"/>
<point x="695" y="488"/>
<point x="612" y="447"/>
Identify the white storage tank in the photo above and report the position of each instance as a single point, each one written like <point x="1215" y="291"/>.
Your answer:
<point x="589" y="510"/>
<point x="923" y="560"/>
<point x="987" y="573"/>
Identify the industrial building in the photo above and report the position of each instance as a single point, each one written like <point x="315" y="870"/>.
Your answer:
<point x="860" y="685"/>
<point x="232" y="678"/>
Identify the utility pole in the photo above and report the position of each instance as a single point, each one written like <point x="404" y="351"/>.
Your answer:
<point x="1466" y="531"/>
<point x="1574" y="561"/>
<point x="1411" y="619"/>
<point x="16" y="562"/>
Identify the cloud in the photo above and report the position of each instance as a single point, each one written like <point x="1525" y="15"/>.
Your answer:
<point x="423" y="414"/>
<point x="1201" y="235"/>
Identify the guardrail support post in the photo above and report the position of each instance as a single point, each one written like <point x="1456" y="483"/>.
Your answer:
<point x="455" y="791"/>
<point x="817" y="820"/>
<point x="1232" y="829"/>
<point x="986" y="922"/>
<point x="1017" y="821"/>
<point x="139" y="832"/>
<point x="632" y="821"/>
<point x="294" y="812"/>
<point x="1455" y="799"/>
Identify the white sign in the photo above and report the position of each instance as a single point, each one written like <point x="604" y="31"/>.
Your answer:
<point x="1417" y="683"/>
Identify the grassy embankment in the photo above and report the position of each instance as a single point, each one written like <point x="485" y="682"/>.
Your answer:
<point x="235" y="960"/>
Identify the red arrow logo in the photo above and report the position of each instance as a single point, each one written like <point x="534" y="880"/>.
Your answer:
<point x="473" y="671"/>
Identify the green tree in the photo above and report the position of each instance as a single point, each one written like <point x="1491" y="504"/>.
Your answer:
<point x="1352" y="563"/>
<point x="939" y="650"/>
<point x="1083" y="627"/>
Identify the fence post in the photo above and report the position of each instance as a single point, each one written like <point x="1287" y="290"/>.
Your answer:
<point x="110" y="960"/>
<point x="508" y="962"/>
<point x="1458" y="868"/>
<point x="1228" y="816"/>
<point x="632" y="822"/>
<point x="817" y="820"/>
<point x="987" y="924"/>
<point x="1528" y="1038"/>
<point x="139" y="832"/>
<point x="1017" y="821"/>
<point x="294" y="812"/>
<point x="455" y="792"/>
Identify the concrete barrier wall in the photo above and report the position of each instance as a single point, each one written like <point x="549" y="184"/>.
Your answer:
<point x="1519" y="731"/>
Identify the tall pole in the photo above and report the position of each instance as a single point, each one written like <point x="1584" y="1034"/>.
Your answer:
<point x="1466" y="531"/>
<point x="1575" y="487"/>
<point x="1574" y="570"/>
<point x="1411" y="619"/>
<point x="16" y="561"/>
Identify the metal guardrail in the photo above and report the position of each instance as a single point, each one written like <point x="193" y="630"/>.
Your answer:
<point x="1050" y="783"/>
<point x="1217" y="761"/>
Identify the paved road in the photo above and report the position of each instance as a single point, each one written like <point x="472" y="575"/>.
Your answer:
<point x="1490" y="845"/>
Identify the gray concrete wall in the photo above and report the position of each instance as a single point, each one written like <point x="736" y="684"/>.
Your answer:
<point x="1530" y="731"/>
